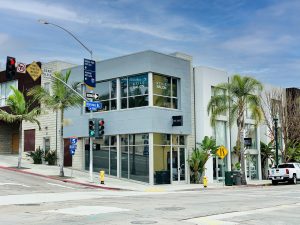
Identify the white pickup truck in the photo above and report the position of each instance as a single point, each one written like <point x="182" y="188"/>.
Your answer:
<point x="285" y="172"/>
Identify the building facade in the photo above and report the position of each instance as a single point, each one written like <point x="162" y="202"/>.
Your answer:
<point x="140" y="94"/>
<point x="9" y="132"/>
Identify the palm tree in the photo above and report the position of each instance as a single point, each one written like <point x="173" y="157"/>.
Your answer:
<point x="200" y="155"/>
<point x="58" y="99"/>
<point x="267" y="152"/>
<point x="19" y="110"/>
<point x="240" y="94"/>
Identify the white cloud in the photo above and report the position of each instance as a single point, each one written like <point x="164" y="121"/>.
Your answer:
<point x="45" y="10"/>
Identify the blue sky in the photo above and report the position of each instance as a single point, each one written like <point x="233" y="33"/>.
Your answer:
<point x="260" y="38"/>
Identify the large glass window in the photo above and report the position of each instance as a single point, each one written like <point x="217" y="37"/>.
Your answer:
<point x="107" y="91"/>
<point x="215" y="91"/>
<point x="219" y="165"/>
<point x="165" y="91"/>
<point x="135" y="157"/>
<point x="250" y="132"/>
<point x="134" y="91"/>
<point x="168" y="159"/>
<point x="6" y="91"/>
<point x="104" y="155"/>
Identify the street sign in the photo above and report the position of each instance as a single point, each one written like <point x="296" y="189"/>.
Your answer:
<point x="34" y="71"/>
<point x="89" y="72"/>
<point x="72" y="148"/>
<point x="222" y="152"/>
<point x="92" y="106"/>
<point x="92" y="95"/>
<point x="21" y="68"/>
<point x="73" y="140"/>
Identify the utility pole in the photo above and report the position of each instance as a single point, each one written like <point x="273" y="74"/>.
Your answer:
<point x="91" y="113"/>
<point x="276" y="139"/>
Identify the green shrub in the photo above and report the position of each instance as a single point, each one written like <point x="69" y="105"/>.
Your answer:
<point x="51" y="157"/>
<point x="36" y="156"/>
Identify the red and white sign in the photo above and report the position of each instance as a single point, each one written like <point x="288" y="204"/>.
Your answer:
<point x="21" y="68"/>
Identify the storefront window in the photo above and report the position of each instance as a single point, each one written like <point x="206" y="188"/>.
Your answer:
<point x="104" y="155"/>
<point x="134" y="91"/>
<point x="165" y="91"/>
<point x="107" y="91"/>
<point x="135" y="157"/>
<point x="169" y="158"/>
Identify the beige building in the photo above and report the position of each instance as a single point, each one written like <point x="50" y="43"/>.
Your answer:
<point x="48" y="138"/>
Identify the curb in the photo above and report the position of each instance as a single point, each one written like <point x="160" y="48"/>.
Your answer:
<point x="63" y="180"/>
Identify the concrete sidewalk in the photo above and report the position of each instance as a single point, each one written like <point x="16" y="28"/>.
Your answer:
<point x="111" y="183"/>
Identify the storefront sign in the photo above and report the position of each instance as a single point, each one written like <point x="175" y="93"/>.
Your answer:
<point x="177" y="121"/>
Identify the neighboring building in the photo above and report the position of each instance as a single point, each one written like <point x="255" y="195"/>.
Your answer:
<point x="48" y="138"/>
<point x="9" y="132"/>
<point x="141" y="93"/>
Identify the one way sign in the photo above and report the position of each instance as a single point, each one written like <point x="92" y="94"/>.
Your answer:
<point x="92" y="95"/>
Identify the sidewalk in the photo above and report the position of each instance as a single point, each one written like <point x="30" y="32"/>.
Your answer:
<point x="111" y="183"/>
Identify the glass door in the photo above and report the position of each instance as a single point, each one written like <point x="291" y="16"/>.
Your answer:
<point x="178" y="164"/>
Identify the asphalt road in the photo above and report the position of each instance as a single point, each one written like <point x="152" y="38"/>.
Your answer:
<point x="31" y="200"/>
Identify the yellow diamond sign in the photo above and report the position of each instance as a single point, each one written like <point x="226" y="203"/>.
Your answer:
<point x="34" y="71"/>
<point x="222" y="152"/>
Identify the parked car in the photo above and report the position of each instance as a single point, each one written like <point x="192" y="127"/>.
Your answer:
<point x="285" y="172"/>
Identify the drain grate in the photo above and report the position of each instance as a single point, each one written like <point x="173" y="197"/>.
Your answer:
<point x="170" y="208"/>
<point x="144" y="222"/>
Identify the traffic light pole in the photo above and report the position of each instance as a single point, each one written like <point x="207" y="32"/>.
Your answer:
<point x="91" y="152"/>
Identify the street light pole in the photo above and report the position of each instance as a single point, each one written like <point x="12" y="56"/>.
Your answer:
<point x="276" y="139"/>
<point x="91" y="112"/>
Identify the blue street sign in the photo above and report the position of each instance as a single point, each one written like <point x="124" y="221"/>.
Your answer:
<point x="73" y="141"/>
<point x="72" y="152"/>
<point x="92" y="106"/>
<point x="89" y="72"/>
<point x="71" y="147"/>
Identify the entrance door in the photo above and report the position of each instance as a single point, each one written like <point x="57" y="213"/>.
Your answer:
<point x="178" y="165"/>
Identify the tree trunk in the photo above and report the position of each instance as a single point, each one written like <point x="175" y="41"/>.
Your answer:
<point x="20" y="145"/>
<point x="62" y="150"/>
<point x="242" y="151"/>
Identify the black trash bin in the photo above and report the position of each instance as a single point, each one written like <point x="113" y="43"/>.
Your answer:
<point x="228" y="178"/>
<point x="237" y="178"/>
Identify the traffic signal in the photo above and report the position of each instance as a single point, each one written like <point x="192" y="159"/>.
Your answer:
<point x="10" y="68"/>
<point x="100" y="127"/>
<point x="92" y="127"/>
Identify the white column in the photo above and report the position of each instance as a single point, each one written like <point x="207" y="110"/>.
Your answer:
<point x="151" y="162"/>
<point x="150" y="89"/>
<point x="118" y="157"/>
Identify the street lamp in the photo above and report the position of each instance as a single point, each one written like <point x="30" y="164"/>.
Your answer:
<point x="276" y="138"/>
<point x="91" y="113"/>
<point x="64" y="29"/>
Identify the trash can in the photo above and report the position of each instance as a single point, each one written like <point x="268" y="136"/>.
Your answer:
<point x="237" y="178"/>
<point x="228" y="178"/>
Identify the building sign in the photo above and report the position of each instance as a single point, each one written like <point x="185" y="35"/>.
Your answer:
<point x="248" y="142"/>
<point x="21" y="68"/>
<point x="177" y="121"/>
<point x="47" y="72"/>
<point x="34" y="71"/>
<point x="90" y="73"/>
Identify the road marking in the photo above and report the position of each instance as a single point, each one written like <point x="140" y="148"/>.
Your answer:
<point x="67" y="196"/>
<point x="16" y="184"/>
<point x="59" y="185"/>
<point x="218" y="219"/>
<point x="87" y="210"/>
